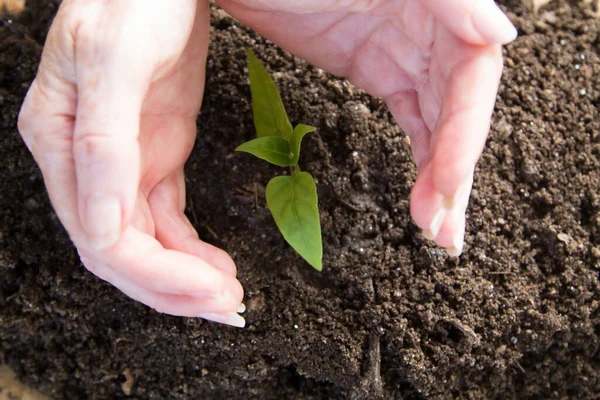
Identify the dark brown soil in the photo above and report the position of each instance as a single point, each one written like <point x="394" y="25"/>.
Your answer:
<point x="391" y="316"/>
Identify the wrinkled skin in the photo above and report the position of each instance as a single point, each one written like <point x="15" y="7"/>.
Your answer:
<point x="111" y="120"/>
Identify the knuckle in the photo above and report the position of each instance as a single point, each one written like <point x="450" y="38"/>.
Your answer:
<point x="24" y="127"/>
<point x="91" y="149"/>
<point x="22" y="120"/>
<point x="27" y="115"/>
<point x="90" y="33"/>
<point x="41" y="132"/>
<point x="86" y="37"/>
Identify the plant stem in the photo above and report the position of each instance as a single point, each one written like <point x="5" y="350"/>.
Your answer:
<point x="296" y="169"/>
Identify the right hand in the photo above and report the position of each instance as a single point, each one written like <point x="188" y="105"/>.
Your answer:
<point x="111" y="119"/>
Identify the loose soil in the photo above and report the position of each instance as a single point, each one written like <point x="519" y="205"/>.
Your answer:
<point x="391" y="316"/>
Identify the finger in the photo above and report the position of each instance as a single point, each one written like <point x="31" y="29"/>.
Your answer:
<point x="115" y="65"/>
<point x="476" y="21"/>
<point x="105" y="143"/>
<point x="452" y="232"/>
<point x="142" y="219"/>
<point x="306" y="6"/>
<point x="46" y="123"/>
<point x="426" y="204"/>
<point x="141" y="259"/>
<point x="405" y="108"/>
<point x="445" y="226"/>
<point x="184" y="306"/>
<point x="463" y="125"/>
<point x="174" y="230"/>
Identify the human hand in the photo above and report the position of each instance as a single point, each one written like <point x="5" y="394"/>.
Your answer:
<point x="111" y="119"/>
<point x="437" y="64"/>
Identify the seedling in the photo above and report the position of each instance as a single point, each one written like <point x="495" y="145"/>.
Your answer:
<point x="292" y="198"/>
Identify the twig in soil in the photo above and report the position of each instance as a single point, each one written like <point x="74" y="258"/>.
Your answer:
<point x="16" y="294"/>
<point x="500" y="273"/>
<point x="193" y="209"/>
<point x="12" y="7"/>
<point x="466" y="330"/>
<point x="210" y="230"/>
<point x="372" y="382"/>
<point x="520" y="367"/>
<point x="348" y="205"/>
<point x="13" y="388"/>
<point x="595" y="6"/>
<point x="129" y="382"/>
<point x="197" y="221"/>
<point x="537" y="4"/>
<point x="255" y="196"/>
<point x="371" y="290"/>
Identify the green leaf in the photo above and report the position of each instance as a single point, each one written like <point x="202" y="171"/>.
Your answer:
<point x="293" y="204"/>
<point x="299" y="131"/>
<point x="273" y="149"/>
<point x="270" y="118"/>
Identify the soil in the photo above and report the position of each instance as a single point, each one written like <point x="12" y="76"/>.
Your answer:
<point x="391" y="316"/>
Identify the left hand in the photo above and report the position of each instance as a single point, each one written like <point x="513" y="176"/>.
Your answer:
<point x="437" y="64"/>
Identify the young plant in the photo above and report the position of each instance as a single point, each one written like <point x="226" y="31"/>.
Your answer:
<point x="292" y="198"/>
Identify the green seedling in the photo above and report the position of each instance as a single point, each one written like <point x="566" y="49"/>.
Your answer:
<point x="292" y="198"/>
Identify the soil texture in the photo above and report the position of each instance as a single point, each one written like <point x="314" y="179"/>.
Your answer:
<point x="391" y="316"/>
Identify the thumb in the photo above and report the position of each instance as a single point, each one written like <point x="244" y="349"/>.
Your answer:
<point x="476" y="21"/>
<point x="111" y="85"/>
<point x="119" y="50"/>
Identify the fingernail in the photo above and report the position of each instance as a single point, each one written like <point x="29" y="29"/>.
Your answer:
<point x="457" y="241"/>
<point x="436" y="225"/>
<point x="491" y="23"/>
<point x="241" y="308"/>
<point x="427" y="234"/>
<point x="455" y="251"/>
<point x="232" y="319"/>
<point x="103" y="221"/>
